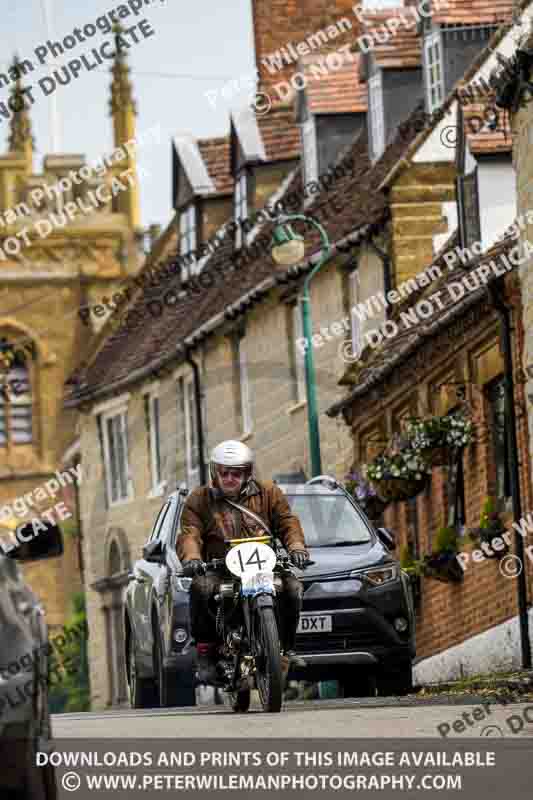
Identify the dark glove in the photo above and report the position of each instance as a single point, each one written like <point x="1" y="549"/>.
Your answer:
<point x="299" y="558"/>
<point x="193" y="567"/>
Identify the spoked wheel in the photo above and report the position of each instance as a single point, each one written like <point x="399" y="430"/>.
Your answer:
<point x="268" y="661"/>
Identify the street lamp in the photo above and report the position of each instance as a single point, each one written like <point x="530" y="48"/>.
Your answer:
<point x="288" y="249"/>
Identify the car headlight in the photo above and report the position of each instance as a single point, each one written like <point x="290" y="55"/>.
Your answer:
<point x="379" y="575"/>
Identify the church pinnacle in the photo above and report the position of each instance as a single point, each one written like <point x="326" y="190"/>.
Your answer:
<point x="20" y="136"/>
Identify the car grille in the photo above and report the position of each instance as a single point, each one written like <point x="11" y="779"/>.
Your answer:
<point x="332" y="643"/>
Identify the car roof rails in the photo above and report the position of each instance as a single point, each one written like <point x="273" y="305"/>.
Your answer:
<point x="325" y="480"/>
<point x="290" y="477"/>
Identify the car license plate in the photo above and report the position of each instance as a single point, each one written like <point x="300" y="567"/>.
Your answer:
<point x="315" y="623"/>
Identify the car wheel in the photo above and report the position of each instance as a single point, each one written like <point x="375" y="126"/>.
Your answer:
<point x="396" y="683"/>
<point x="171" y="691"/>
<point x="142" y="690"/>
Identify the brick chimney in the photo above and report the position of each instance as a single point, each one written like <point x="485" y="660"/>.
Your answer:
<point x="280" y="23"/>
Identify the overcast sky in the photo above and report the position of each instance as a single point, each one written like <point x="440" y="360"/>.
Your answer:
<point x="208" y="41"/>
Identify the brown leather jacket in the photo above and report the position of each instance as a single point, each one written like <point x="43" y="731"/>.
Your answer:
<point x="206" y="522"/>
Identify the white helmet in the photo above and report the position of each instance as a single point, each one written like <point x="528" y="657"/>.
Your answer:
<point x="231" y="453"/>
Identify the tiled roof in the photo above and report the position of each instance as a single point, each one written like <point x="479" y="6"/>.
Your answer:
<point x="471" y="12"/>
<point x="215" y="153"/>
<point x="376" y="364"/>
<point x="150" y="342"/>
<point x="336" y="92"/>
<point x="280" y="133"/>
<point x="403" y="49"/>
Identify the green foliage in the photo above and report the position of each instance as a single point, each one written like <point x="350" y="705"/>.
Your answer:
<point x="69" y="686"/>
<point x="445" y="541"/>
<point x="69" y="527"/>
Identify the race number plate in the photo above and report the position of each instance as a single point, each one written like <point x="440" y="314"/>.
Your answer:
<point x="315" y="623"/>
<point x="248" y="558"/>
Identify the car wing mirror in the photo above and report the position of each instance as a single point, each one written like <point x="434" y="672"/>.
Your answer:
<point x="30" y="545"/>
<point x="386" y="537"/>
<point x="154" y="552"/>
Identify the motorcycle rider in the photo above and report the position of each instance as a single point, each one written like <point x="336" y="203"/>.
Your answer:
<point x="207" y="520"/>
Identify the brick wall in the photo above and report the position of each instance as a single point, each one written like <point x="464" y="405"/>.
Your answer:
<point x="452" y="613"/>
<point x="522" y="144"/>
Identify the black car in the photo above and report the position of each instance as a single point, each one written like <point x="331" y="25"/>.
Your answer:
<point x="160" y="660"/>
<point x="357" y="623"/>
<point x="24" y="668"/>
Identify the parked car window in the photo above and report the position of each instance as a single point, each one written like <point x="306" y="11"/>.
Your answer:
<point x="166" y="526"/>
<point x="158" y="523"/>
<point x="329" y="520"/>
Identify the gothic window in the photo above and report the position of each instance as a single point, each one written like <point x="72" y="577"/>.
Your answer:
<point x="16" y="427"/>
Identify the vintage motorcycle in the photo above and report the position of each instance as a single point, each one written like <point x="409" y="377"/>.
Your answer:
<point x="247" y="620"/>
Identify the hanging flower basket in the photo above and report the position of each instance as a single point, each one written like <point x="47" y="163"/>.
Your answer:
<point x="435" y="438"/>
<point x="399" y="489"/>
<point x="442" y="567"/>
<point x="398" y="475"/>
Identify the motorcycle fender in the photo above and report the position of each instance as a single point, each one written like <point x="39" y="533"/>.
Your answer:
<point x="264" y="601"/>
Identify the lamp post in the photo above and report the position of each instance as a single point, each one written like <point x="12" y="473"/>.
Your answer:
<point x="288" y="249"/>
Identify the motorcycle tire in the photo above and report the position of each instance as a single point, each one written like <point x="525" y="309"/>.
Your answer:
<point x="269" y="676"/>
<point x="240" y="701"/>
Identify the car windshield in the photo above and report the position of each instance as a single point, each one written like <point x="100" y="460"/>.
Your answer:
<point x="329" y="520"/>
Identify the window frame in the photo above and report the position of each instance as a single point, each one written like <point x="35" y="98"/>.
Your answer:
<point x="356" y="328"/>
<point x="191" y="432"/>
<point x="504" y="501"/>
<point x="299" y="391"/>
<point x="433" y="42"/>
<point x="245" y="398"/>
<point x="188" y="229"/>
<point x="241" y="206"/>
<point x="122" y="413"/>
<point x="377" y="114"/>
<point x="310" y="152"/>
<point x="19" y="371"/>
<point x="153" y="423"/>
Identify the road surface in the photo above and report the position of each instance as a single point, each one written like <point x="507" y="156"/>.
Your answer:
<point x="353" y="717"/>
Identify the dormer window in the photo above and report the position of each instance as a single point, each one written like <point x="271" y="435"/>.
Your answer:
<point x="188" y="230"/>
<point x="377" y="122"/>
<point x="241" y="206"/>
<point x="310" y="150"/>
<point x="433" y="69"/>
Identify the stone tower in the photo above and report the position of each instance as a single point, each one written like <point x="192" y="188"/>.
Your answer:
<point x="51" y="266"/>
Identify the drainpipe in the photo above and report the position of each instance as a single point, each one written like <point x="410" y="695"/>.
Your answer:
<point x="199" y="419"/>
<point x="504" y="312"/>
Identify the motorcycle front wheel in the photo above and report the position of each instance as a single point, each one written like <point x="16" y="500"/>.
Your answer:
<point x="269" y="676"/>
